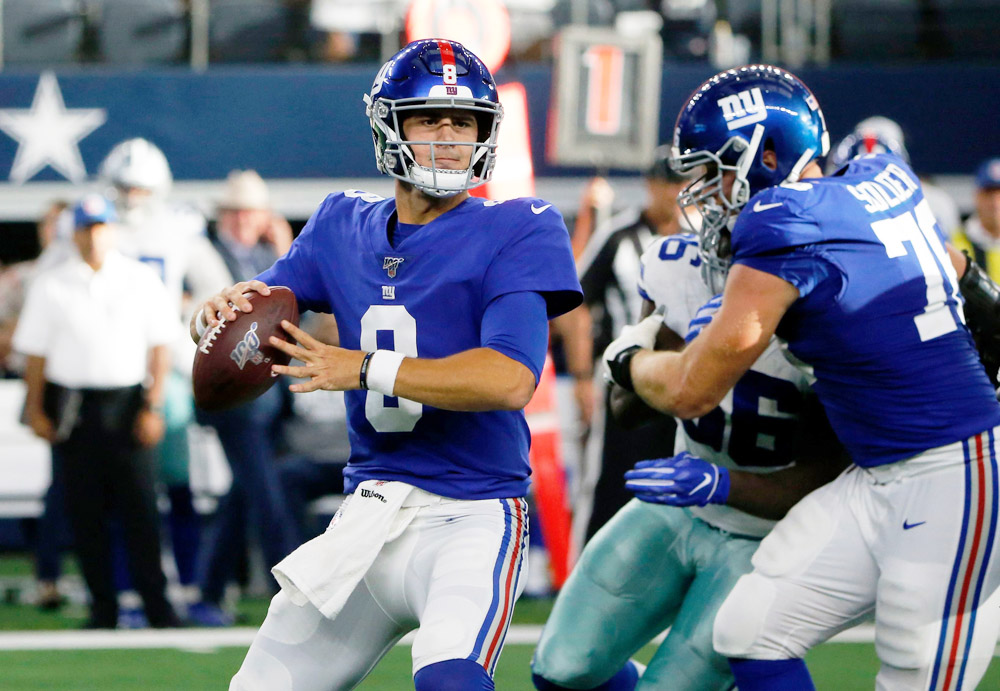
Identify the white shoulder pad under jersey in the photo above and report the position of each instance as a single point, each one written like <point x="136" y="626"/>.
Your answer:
<point x="755" y="427"/>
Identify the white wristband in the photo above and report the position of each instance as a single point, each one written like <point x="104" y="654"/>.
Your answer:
<point x="200" y="325"/>
<point x="382" y="371"/>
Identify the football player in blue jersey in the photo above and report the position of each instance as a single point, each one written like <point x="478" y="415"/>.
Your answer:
<point x="442" y="303"/>
<point x="853" y="273"/>
<point x="669" y="557"/>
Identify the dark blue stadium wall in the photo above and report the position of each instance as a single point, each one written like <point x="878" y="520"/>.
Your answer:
<point x="309" y="122"/>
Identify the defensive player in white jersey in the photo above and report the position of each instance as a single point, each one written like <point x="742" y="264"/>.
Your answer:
<point x="172" y="240"/>
<point x="442" y="303"/>
<point x="764" y="447"/>
<point x="853" y="272"/>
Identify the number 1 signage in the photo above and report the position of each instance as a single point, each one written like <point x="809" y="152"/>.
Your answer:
<point x="606" y="108"/>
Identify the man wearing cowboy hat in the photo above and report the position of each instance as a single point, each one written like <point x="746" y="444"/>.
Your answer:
<point x="250" y="237"/>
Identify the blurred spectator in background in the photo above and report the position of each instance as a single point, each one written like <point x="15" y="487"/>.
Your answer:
<point x="370" y="31"/>
<point x="51" y="529"/>
<point x="14" y="280"/>
<point x="353" y="30"/>
<point x="249" y="237"/>
<point x="684" y="26"/>
<point x="980" y="236"/>
<point x="609" y="274"/>
<point x="315" y="442"/>
<point x="879" y="134"/>
<point x="93" y="329"/>
<point x="594" y="211"/>
<point x="172" y="240"/>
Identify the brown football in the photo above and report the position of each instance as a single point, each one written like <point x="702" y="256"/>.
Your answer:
<point x="233" y="361"/>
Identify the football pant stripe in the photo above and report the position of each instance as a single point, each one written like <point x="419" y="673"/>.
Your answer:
<point x="509" y="545"/>
<point x="512" y="570"/>
<point x="989" y="492"/>
<point x="970" y="563"/>
<point x="497" y="571"/>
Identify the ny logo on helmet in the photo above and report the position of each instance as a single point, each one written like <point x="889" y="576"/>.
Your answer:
<point x="744" y="108"/>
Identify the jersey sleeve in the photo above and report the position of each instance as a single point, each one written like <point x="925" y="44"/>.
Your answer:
<point x="536" y="256"/>
<point x="297" y="268"/>
<point x="205" y="271"/>
<point x="33" y="334"/>
<point x="515" y="324"/>
<point x="775" y="234"/>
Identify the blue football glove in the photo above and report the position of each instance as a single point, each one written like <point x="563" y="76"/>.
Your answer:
<point x="702" y="318"/>
<point x="682" y="480"/>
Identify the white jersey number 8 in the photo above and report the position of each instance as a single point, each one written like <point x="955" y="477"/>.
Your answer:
<point x="402" y="416"/>
<point x="937" y="318"/>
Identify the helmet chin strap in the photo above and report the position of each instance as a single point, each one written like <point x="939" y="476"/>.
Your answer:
<point x="744" y="163"/>
<point x="800" y="165"/>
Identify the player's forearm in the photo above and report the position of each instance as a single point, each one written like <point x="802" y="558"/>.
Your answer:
<point x="665" y="381"/>
<point x="771" y="495"/>
<point x="474" y="380"/>
<point x="159" y="369"/>
<point x="578" y="344"/>
<point x="34" y="382"/>
<point x="767" y="496"/>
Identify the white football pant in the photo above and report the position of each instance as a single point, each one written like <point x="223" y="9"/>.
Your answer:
<point x="453" y="574"/>
<point x="914" y="542"/>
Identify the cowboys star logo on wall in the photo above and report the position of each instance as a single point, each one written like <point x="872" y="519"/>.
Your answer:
<point x="49" y="134"/>
<point x="391" y="265"/>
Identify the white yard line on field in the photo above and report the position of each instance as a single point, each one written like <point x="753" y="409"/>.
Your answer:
<point x="200" y="639"/>
<point x="206" y="640"/>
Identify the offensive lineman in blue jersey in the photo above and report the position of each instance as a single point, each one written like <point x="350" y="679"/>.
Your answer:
<point x="650" y="567"/>
<point x="853" y="273"/>
<point x="441" y="302"/>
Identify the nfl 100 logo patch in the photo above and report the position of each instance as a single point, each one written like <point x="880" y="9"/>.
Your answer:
<point x="391" y="265"/>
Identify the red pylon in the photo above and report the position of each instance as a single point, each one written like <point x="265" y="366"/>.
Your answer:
<point x="549" y="475"/>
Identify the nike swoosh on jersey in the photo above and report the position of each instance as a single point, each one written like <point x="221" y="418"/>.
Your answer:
<point x="758" y="207"/>
<point x="539" y="209"/>
<point x="706" y="481"/>
<point x="907" y="526"/>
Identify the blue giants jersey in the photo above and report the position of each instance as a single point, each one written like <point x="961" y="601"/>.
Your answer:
<point x="879" y="316"/>
<point x="426" y="298"/>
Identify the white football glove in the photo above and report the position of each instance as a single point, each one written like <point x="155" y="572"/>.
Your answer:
<point x="634" y="337"/>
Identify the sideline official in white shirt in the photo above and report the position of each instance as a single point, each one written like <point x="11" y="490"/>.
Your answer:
<point x="96" y="330"/>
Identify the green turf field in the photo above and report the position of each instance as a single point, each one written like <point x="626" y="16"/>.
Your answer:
<point x="835" y="666"/>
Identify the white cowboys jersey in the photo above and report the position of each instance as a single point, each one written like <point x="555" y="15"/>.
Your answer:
<point x="755" y="427"/>
<point x="172" y="241"/>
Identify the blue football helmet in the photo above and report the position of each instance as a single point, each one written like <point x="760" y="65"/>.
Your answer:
<point x="433" y="73"/>
<point x="726" y="126"/>
<point x="874" y="135"/>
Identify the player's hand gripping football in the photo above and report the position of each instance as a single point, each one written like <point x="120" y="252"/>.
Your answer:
<point x="618" y="355"/>
<point x="224" y="305"/>
<point x="682" y="480"/>
<point x="324" y="366"/>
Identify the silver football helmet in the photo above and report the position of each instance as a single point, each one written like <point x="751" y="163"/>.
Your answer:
<point x="135" y="164"/>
